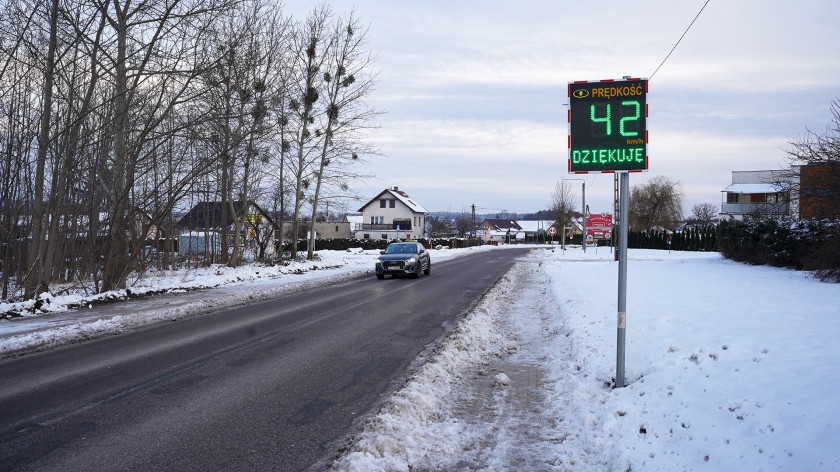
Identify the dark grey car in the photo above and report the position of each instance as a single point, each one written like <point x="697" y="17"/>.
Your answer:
<point x="403" y="259"/>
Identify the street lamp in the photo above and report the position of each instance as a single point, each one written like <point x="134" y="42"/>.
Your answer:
<point x="583" y="210"/>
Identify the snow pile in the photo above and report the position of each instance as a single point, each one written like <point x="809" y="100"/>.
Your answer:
<point x="420" y="425"/>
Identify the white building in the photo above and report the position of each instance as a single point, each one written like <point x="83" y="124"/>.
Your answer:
<point x="391" y="215"/>
<point x="756" y="192"/>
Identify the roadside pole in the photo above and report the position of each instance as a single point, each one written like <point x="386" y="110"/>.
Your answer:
<point x="622" y="279"/>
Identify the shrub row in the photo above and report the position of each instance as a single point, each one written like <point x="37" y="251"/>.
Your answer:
<point x="690" y="239"/>
<point x="344" y="244"/>
<point x="784" y="242"/>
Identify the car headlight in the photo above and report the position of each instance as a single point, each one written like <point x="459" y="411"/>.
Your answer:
<point x="411" y="259"/>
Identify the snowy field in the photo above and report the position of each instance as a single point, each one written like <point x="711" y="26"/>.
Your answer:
<point x="728" y="366"/>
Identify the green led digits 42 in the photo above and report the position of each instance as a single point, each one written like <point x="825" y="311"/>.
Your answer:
<point x="624" y="128"/>
<point x="607" y="126"/>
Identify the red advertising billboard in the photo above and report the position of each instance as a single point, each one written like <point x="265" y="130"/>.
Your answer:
<point x="599" y="226"/>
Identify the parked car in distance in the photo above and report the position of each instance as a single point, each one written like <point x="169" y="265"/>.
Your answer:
<point x="403" y="259"/>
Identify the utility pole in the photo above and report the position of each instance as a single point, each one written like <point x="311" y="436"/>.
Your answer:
<point x="473" y="221"/>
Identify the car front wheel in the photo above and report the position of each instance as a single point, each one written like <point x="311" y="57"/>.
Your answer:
<point x="428" y="269"/>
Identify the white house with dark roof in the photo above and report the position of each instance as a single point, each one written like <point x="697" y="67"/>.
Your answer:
<point x="500" y="230"/>
<point x="391" y="215"/>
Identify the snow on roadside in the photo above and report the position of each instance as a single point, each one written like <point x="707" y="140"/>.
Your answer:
<point x="419" y="425"/>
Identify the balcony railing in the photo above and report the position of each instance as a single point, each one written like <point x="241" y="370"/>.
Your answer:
<point x="749" y="208"/>
<point x="382" y="227"/>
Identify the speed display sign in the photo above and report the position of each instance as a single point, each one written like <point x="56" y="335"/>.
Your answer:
<point x="608" y="126"/>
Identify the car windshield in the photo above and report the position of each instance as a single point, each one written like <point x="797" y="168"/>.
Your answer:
<point x="401" y="249"/>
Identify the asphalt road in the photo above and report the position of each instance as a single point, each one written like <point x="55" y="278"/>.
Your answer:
<point x="277" y="385"/>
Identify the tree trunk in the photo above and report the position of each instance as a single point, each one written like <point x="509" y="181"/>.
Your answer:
<point x="35" y="283"/>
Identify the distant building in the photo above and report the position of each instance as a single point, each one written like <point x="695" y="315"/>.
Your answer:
<point x="392" y="214"/>
<point x="803" y="191"/>
<point x="536" y="230"/>
<point x="756" y="192"/>
<point x="500" y="230"/>
<point x="201" y="227"/>
<point x="818" y="191"/>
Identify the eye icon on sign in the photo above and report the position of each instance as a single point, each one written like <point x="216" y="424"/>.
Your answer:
<point x="580" y="93"/>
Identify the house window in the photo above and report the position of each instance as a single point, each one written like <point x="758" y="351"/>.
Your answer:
<point x="366" y="236"/>
<point x="336" y="229"/>
<point x="392" y="204"/>
<point x="382" y="203"/>
<point x="384" y="236"/>
<point x="377" y="220"/>
<point x="731" y="197"/>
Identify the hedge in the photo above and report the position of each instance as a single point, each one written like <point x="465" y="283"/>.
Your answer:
<point x="784" y="242"/>
<point x="344" y="244"/>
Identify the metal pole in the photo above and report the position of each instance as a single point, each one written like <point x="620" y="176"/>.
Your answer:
<point x="622" y="280"/>
<point x="583" y="212"/>
<point x="584" y="216"/>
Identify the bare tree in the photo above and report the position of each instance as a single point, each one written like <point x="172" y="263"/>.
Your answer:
<point x="35" y="277"/>
<point x="463" y="223"/>
<point x="562" y="205"/>
<point x="19" y="120"/>
<point x="657" y="203"/>
<point x="440" y="226"/>
<point x="705" y="214"/>
<point x="310" y="43"/>
<point x="242" y="85"/>
<point x="347" y="81"/>
<point x="821" y="150"/>
<point x="153" y="75"/>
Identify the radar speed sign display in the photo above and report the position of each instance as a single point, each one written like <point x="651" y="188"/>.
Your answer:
<point x="608" y="126"/>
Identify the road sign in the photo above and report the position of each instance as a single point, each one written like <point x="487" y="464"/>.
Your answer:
<point x="608" y="126"/>
<point x="552" y="230"/>
<point x="598" y="226"/>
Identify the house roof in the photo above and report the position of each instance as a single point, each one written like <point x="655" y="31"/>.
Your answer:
<point x="399" y="195"/>
<point x="532" y="226"/>
<point x="753" y="188"/>
<point x="209" y="215"/>
<point x="502" y="224"/>
<point x="355" y="219"/>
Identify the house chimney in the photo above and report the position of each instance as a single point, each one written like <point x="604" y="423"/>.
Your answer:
<point x="396" y="189"/>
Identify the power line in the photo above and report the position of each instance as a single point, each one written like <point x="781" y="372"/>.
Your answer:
<point x="678" y="41"/>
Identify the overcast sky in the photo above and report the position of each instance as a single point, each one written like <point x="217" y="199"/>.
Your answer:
<point x="475" y="91"/>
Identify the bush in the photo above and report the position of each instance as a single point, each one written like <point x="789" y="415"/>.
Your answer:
<point x="784" y="242"/>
